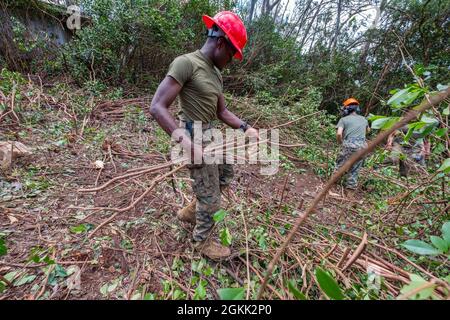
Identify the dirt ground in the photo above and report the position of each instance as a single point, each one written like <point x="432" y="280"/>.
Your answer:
<point x="48" y="222"/>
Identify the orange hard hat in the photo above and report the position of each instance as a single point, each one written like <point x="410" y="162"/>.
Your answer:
<point x="350" y="101"/>
<point x="232" y="26"/>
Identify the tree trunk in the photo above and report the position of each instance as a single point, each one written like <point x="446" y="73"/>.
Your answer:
<point x="268" y="7"/>
<point x="252" y="10"/>
<point x="365" y="51"/>
<point x="301" y="19"/>
<point x="284" y="12"/>
<point x="334" y="41"/>
<point x="302" y="43"/>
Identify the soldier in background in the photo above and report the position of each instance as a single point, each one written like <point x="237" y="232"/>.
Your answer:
<point x="407" y="154"/>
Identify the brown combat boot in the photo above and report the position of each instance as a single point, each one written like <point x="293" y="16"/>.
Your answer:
<point x="187" y="214"/>
<point x="212" y="249"/>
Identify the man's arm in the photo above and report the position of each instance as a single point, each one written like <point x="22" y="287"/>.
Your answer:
<point x="165" y="95"/>
<point x="426" y="147"/>
<point x="339" y="133"/>
<point x="231" y="119"/>
<point x="390" y="141"/>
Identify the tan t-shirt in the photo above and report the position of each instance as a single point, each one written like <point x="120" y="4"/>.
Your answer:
<point x="201" y="83"/>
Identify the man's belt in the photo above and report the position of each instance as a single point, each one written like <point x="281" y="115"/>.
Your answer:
<point x="189" y="126"/>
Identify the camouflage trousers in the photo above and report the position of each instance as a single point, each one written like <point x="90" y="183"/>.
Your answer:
<point x="209" y="180"/>
<point x="406" y="158"/>
<point x="349" y="147"/>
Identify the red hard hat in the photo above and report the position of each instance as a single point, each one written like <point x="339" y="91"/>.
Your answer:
<point x="233" y="27"/>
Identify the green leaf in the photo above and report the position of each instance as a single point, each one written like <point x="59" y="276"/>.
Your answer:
<point x="3" y="249"/>
<point x="11" y="275"/>
<point x="149" y="296"/>
<point x="403" y="98"/>
<point x="445" y="167"/>
<point x="419" y="69"/>
<point x="378" y="123"/>
<point x="372" y="117"/>
<point x="328" y="285"/>
<point x="420" y="247"/>
<point x="24" y="280"/>
<point x="104" y="289"/>
<point x="447" y="278"/>
<point x="446" y="111"/>
<point x="2" y="287"/>
<point x="200" y="292"/>
<point x="441" y="132"/>
<point x="48" y="261"/>
<point x="388" y="124"/>
<point x="411" y="129"/>
<point x="78" y="229"/>
<point x="446" y="232"/>
<point x="416" y="282"/>
<point x="219" y="215"/>
<point x="60" y="271"/>
<point x="225" y="237"/>
<point x="231" y="293"/>
<point x="384" y="123"/>
<point x="178" y="294"/>
<point x="429" y="119"/>
<point x="427" y="130"/>
<point x="295" y="292"/>
<point x="439" y="243"/>
<point x="107" y="288"/>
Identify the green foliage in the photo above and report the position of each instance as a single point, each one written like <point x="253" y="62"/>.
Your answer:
<point x="9" y="80"/>
<point x="39" y="255"/>
<point x="200" y="291"/>
<point x="416" y="283"/>
<point x="225" y="237"/>
<point x="24" y="280"/>
<point x="445" y="167"/>
<point x="82" y="228"/>
<point x="403" y="98"/>
<point x="294" y="290"/>
<point x="142" y="29"/>
<point x="108" y="288"/>
<point x="219" y="215"/>
<point x="231" y="293"/>
<point x="420" y="247"/>
<point x="328" y="284"/>
<point x="58" y="273"/>
<point x="261" y="236"/>
<point x="440" y="245"/>
<point x="3" y="248"/>
<point x="224" y="234"/>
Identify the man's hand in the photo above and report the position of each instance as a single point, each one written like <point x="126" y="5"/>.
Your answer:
<point x="194" y="151"/>
<point x="339" y="134"/>
<point x="252" y="133"/>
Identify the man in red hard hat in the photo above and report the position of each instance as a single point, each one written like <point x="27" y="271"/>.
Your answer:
<point x="351" y="133"/>
<point x="195" y="77"/>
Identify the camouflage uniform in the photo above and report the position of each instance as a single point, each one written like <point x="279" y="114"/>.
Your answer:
<point x="406" y="154"/>
<point x="349" y="147"/>
<point x="208" y="181"/>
